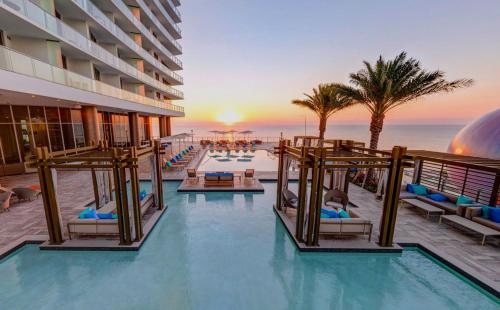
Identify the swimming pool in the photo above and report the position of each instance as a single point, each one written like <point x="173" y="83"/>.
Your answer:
<point x="260" y="160"/>
<point x="228" y="251"/>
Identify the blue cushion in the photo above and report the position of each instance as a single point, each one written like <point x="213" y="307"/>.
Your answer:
<point x="324" y="216"/>
<point x="409" y="188"/>
<point x="343" y="214"/>
<point x="464" y="200"/>
<point x="105" y="216"/>
<point x="169" y="164"/>
<point x="88" y="213"/>
<point x="211" y="174"/>
<point x="419" y="189"/>
<point x="330" y="213"/>
<point x="142" y="195"/>
<point x="495" y="214"/>
<point x="437" y="197"/>
<point x="486" y="212"/>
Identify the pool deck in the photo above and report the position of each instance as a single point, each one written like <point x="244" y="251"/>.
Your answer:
<point x="25" y="223"/>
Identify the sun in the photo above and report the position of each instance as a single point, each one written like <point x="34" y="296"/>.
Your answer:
<point x="229" y="117"/>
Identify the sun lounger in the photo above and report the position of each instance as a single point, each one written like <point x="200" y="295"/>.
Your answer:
<point x="471" y="225"/>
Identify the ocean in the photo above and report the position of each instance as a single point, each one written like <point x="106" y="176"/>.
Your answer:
<point x="427" y="137"/>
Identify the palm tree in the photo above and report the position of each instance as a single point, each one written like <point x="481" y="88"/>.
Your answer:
<point x="324" y="102"/>
<point x="389" y="84"/>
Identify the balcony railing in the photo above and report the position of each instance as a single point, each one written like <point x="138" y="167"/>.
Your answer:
<point x="167" y="17"/>
<point x="145" y="8"/>
<point x="19" y="63"/>
<point x="126" y="11"/>
<point x="174" y="8"/>
<point x="52" y="25"/>
<point x="101" y="18"/>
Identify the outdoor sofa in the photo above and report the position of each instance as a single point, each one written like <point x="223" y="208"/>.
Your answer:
<point x="103" y="227"/>
<point x="219" y="179"/>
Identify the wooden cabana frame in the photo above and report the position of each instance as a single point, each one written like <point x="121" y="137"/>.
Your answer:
<point x="343" y="154"/>
<point x="118" y="161"/>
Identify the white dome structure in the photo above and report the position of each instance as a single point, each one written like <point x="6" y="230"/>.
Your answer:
<point x="480" y="138"/>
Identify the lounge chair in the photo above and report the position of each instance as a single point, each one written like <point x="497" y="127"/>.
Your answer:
<point x="249" y="174"/>
<point x="5" y="200"/>
<point x="191" y="173"/>
<point x="336" y="199"/>
<point x="26" y="194"/>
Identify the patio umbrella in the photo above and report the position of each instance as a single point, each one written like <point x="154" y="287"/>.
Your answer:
<point x="246" y="133"/>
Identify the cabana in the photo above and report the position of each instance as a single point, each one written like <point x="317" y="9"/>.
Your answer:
<point x="341" y="156"/>
<point x="115" y="182"/>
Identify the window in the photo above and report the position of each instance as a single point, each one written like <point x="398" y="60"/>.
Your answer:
<point x="92" y="37"/>
<point x="97" y="74"/>
<point x="64" y="62"/>
<point x="155" y="56"/>
<point x="58" y="15"/>
<point x="1" y="38"/>
<point x="8" y="144"/>
<point x="157" y="76"/>
<point x="158" y="95"/>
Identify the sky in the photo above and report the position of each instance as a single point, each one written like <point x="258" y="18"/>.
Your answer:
<point x="247" y="59"/>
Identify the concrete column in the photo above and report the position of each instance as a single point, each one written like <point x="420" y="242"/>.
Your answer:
<point x="90" y="120"/>
<point x="163" y="126"/>
<point x="169" y="125"/>
<point x="133" y="121"/>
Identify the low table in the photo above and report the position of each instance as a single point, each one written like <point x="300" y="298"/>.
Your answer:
<point x="424" y="206"/>
<point x="476" y="227"/>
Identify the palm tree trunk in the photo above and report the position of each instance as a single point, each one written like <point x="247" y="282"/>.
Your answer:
<point x="322" y="129"/>
<point x="376" y="125"/>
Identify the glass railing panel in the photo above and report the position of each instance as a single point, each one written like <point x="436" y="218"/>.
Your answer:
<point x="23" y="64"/>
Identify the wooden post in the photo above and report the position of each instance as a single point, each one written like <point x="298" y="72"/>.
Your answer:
<point x="301" y="206"/>
<point x="118" y="197"/>
<point x="280" y="174"/>
<point x="96" y="189"/>
<point x="134" y="185"/>
<point x="49" y="197"/>
<point x="159" y="177"/>
<point x="389" y="213"/>
<point x="313" y="199"/>
<point x="494" y="199"/>
<point x="319" y="195"/>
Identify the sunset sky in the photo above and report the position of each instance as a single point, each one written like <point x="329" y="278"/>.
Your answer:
<point x="246" y="60"/>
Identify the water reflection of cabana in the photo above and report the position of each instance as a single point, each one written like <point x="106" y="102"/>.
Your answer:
<point x="314" y="162"/>
<point x="115" y="182"/>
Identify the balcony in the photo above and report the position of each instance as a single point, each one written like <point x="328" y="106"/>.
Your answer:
<point x="57" y="29"/>
<point x="172" y="26"/>
<point x="19" y="63"/>
<point x="172" y="9"/>
<point x="171" y="43"/>
<point x="155" y="21"/>
<point x="119" y="34"/>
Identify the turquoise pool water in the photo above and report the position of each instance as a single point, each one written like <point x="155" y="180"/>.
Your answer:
<point x="228" y="251"/>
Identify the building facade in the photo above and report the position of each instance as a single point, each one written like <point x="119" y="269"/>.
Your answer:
<point x="75" y="72"/>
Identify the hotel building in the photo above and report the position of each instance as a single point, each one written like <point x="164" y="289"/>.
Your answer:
<point x="75" y="72"/>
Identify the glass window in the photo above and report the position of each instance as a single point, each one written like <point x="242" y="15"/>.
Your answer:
<point x="52" y="115"/>
<point x="37" y="114"/>
<point x="20" y="113"/>
<point x="5" y="116"/>
<point x="24" y="139"/>
<point x="55" y="137"/>
<point x="8" y="145"/>
<point x="79" y="135"/>
<point x="65" y="115"/>
<point x="69" y="139"/>
<point x="76" y="116"/>
<point x="40" y="134"/>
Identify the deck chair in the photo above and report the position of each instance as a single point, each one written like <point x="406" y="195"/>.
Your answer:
<point x="336" y="199"/>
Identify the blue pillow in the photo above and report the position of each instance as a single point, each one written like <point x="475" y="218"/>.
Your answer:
<point x="169" y="164"/>
<point x="343" y="214"/>
<point x="464" y="200"/>
<point x="89" y="213"/>
<point x="494" y="214"/>
<point x="409" y="188"/>
<point x="486" y="212"/>
<point x="83" y="213"/>
<point x="437" y="197"/>
<point x="142" y="195"/>
<point x="419" y="189"/>
<point x="105" y="216"/>
<point x="330" y="213"/>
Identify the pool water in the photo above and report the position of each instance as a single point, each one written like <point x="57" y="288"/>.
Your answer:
<point x="260" y="160"/>
<point x="228" y="251"/>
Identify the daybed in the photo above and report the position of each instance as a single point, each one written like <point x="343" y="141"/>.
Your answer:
<point x="219" y="179"/>
<point x="103" y="227"/>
